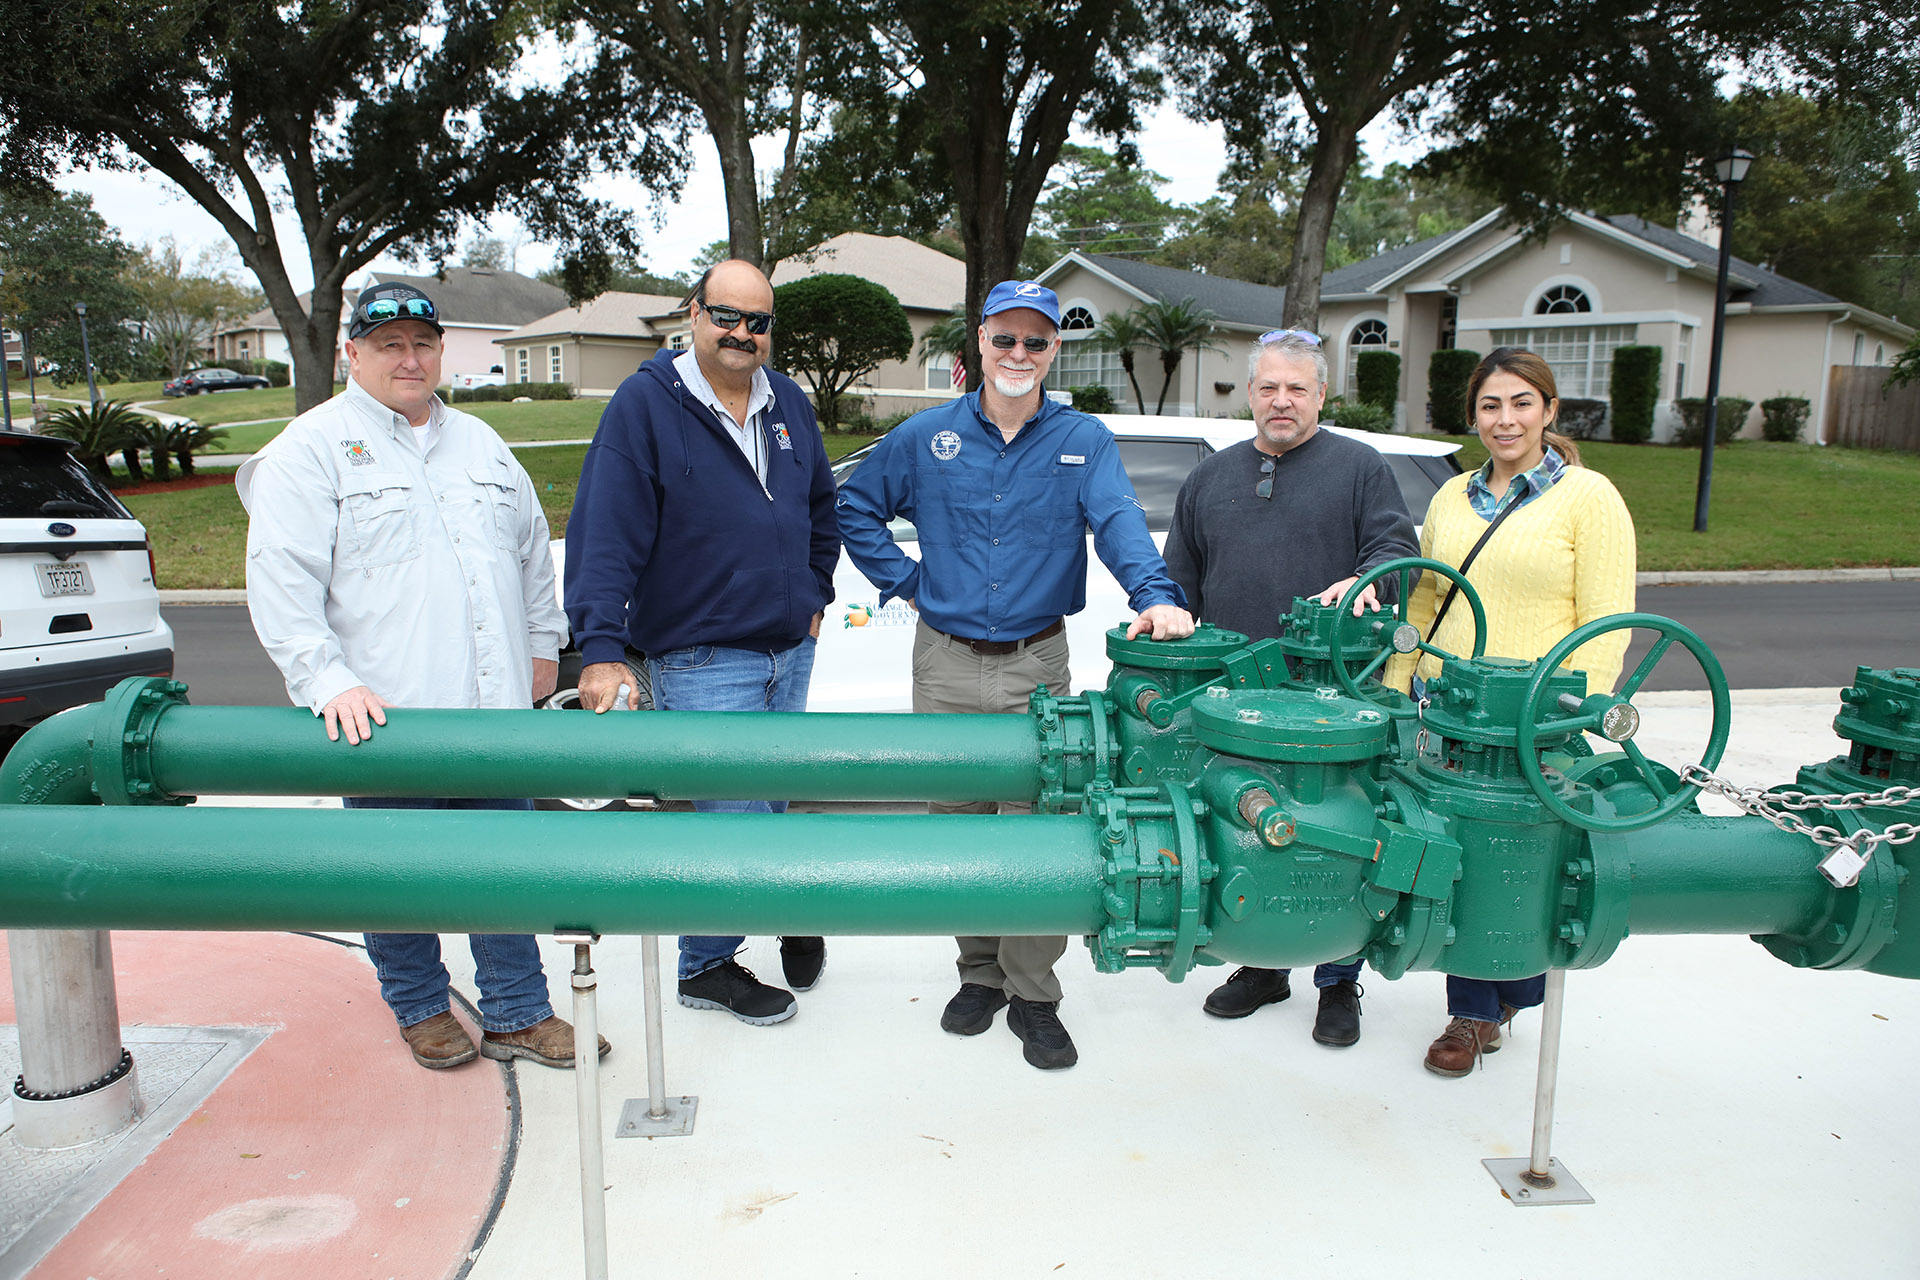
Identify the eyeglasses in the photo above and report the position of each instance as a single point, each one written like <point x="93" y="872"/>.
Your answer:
<point x="381" y="310"/>
<point x="1264" y="489"/>
<point x="1279" y="335"/>
<point x="758" y="322"/>
<point x="1005" y="341"/>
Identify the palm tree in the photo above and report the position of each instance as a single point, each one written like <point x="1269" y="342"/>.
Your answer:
<point x="96" y="431"/>
<point x="1121" y="332"/>
<point x="1175" y="328"/>
<point x="947" y="336"/>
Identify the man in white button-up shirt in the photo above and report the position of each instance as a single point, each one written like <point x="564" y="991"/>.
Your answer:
<point x="397" y="557"/>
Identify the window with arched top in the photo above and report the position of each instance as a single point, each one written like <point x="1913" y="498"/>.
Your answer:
<point x="1562" y="300"/>
<point x="1076" y="319"/>
<point x="1367" y="335"/>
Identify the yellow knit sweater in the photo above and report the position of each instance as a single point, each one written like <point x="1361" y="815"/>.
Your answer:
<point x="1562" y="560"/>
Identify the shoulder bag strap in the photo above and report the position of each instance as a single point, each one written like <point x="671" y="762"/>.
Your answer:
<point x="1467" y="564"/>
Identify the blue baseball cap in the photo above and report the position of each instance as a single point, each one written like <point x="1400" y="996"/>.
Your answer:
<point x="1009" y="294"/>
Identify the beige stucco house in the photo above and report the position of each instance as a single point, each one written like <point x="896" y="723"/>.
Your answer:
<point x="1589" y="286"/>
<point x="596" y="345"/>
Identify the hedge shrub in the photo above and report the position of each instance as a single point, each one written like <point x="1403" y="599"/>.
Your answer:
<point x="274" y="371"/>
<point x="1782" y="417"/>
<point x="1355" y="415"/>
<point x="1447" y="375"/>
<point x="513" y="391"/>
<point x="1580" y="419"/>
<point x="1693" y="416"/>
<point x="1376" y="378"/>
<point x="1093" y="399"/>
<point x="1635" y="392"/>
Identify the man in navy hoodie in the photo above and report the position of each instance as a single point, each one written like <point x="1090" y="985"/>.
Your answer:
<point x="703" y="537"/>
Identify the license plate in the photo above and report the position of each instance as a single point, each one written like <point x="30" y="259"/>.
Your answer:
<point x="64" y="580"/>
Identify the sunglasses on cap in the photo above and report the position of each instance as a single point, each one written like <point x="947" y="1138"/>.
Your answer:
<point x="758" y="322"/>
<point x="381" y="310"/>
<point x="1280" y="335"/>
<point x="1005" y="342"/>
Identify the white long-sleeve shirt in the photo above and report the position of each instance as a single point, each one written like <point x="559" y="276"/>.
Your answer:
<point x="423" y="576"/>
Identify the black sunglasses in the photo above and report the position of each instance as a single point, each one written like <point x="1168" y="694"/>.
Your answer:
<point x="1264" y="489"/>
<point x="381" y="310"/>
<point x="1005" y="342"/>
<point x="758" y="322"/>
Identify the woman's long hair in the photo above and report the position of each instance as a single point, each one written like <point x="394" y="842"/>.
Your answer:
<point x="1533" y="371"/>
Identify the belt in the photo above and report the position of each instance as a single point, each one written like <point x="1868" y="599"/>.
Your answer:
<point x="1001" y="648"/>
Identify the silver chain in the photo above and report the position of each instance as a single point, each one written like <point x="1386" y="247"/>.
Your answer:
<point x="1782" y="807"/>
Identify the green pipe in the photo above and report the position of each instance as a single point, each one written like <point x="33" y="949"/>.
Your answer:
<point x="52" y="762"/>
<point x="1698" y="874"/>
<point x="412" y="871"/>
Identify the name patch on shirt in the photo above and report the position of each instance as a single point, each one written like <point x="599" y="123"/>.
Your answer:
<point x="945" y="445"/>
<point x="357" y="452"/>
<point x="1073" y="459"/>
<point x="780" y="434"/>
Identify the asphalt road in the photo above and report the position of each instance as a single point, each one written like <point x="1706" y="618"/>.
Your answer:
<point x="1784" y="635"/>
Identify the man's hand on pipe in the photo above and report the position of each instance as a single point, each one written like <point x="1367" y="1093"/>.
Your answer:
<point x="352" y="711"/>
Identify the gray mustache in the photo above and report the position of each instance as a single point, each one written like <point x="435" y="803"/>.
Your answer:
<point x="738" y="344"/>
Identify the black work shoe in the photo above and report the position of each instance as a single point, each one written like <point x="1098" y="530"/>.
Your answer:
<point x="1036" y="1022"/>
<point x="801" y="959"/>
<point x="1338" y="1022"/>
<point x="731" y="986"/>
<point x="971" y="1010"/>
<point x="1247" y="990"/>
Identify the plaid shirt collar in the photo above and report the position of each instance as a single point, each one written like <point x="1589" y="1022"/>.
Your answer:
<point x="1532" y="484"/>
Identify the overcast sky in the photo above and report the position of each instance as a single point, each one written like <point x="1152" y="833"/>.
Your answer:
<point x="143" y="206"/>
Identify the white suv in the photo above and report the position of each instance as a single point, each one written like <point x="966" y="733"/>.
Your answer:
<point x="78" y="608"/>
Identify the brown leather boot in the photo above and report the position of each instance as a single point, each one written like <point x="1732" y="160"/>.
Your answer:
<point x="440" y="1042"/>
<point x="1460" y="1045"/>
<point x="549" y="1043"/>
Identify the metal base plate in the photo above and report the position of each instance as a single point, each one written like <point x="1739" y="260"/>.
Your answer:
<point x="1524" y="1195"/>
<point x="676" y="1123"/>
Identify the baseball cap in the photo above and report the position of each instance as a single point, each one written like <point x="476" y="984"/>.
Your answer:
<point x="1009" y="294"/>
<point x="381" y="303"/>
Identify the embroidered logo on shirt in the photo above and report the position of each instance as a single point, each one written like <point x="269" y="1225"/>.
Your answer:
<point x="780" y="434"/>
<point x="946" y="445"/>
<point x="357" y="452"/>
<point x="1073" y="459"/>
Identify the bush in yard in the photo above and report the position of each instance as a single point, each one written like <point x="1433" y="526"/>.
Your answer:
<point x="1782" y="417"/>
<point x="1580" y="419"/>
<point x="1357" y="416"/>
<point x="1094" y="399"/>
<point x="1447" y="375"/>
<point x="96" y="431"/>
<point x="1635" y="393"/>
<point x="834" y="330"/>
<point x="514" y="391"/>
<point x="273" y="371"/>
<point x="1693" y="420"/>
<point x="1376" y="378"/>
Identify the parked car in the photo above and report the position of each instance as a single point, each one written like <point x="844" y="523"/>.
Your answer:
<point x="202" y="381"/>
<point x="79" y="611"/>
<point x="865" y="657"/>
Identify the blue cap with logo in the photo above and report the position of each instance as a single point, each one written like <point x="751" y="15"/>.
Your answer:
<point x="1009" y="294"/>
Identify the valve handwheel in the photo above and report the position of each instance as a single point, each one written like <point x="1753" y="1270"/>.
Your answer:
<point x="1614" y="717"/>
<point x="1403" y="636"/>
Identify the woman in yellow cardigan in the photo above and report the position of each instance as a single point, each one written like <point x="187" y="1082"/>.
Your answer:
<point x="1563" y="556"/>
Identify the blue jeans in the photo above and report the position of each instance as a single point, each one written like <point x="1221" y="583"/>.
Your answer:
<point x="413" y="981"/>
<point x="1480" y="999"/>
<point x="1325" y="975"/>
<point x="706" y="677"/>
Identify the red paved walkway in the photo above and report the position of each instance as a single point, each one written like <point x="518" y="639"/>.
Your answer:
<point x="327" y="1153"/>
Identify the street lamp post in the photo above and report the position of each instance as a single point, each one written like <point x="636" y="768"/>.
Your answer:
<point x="1731" y="169"/>
<point x="86" y="353"/>
<point x="6" y="392"/>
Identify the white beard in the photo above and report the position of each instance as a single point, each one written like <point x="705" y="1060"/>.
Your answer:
<point x="1014" y="387"/>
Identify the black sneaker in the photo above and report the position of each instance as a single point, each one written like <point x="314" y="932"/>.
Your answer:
<point x="1036" y="1022"/>
<point x="1247" y="990"/>
<point x="801" y="959"/>
<point x="1338" y="1022"/>
<point x="731" y="986"/>
<point x="971" y="1010"/>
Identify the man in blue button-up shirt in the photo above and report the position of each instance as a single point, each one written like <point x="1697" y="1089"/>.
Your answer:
<point x="1003" y="485"/>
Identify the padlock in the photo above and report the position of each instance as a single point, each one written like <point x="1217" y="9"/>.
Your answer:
<point x="1842" y="867"/>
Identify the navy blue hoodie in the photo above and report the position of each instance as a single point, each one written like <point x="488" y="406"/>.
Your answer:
<point x="672" y="542"/>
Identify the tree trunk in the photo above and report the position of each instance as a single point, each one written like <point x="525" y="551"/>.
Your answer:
<point x="1168" y="368"/>
<point x="732" y="140"/>
<point x="1334" y="151"/>
<point x="185" y="459"/>
<point x="1139" y="400"/>
<point x="131" y="456"/>
<point x="313" y="341"/>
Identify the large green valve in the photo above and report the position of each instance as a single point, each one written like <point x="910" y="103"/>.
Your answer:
<point x="1216" y="802"/>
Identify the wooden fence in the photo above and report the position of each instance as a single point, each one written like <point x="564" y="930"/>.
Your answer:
<point x="1863" y="415"/>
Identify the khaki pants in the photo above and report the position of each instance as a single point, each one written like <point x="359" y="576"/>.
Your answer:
<point x="949" y="677"/>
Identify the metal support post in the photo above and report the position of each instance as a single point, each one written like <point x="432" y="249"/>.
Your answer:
<point x="1540" y="1179"/>
<point x="586" y="1071"/>
<point x="76" y="1081"/>
<point x="662" y="1117"/>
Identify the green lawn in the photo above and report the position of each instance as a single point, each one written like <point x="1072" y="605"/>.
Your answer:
<point x="1774" y="506"/>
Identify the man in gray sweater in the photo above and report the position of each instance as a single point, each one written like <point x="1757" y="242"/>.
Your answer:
<point x="1295" y="511"/>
